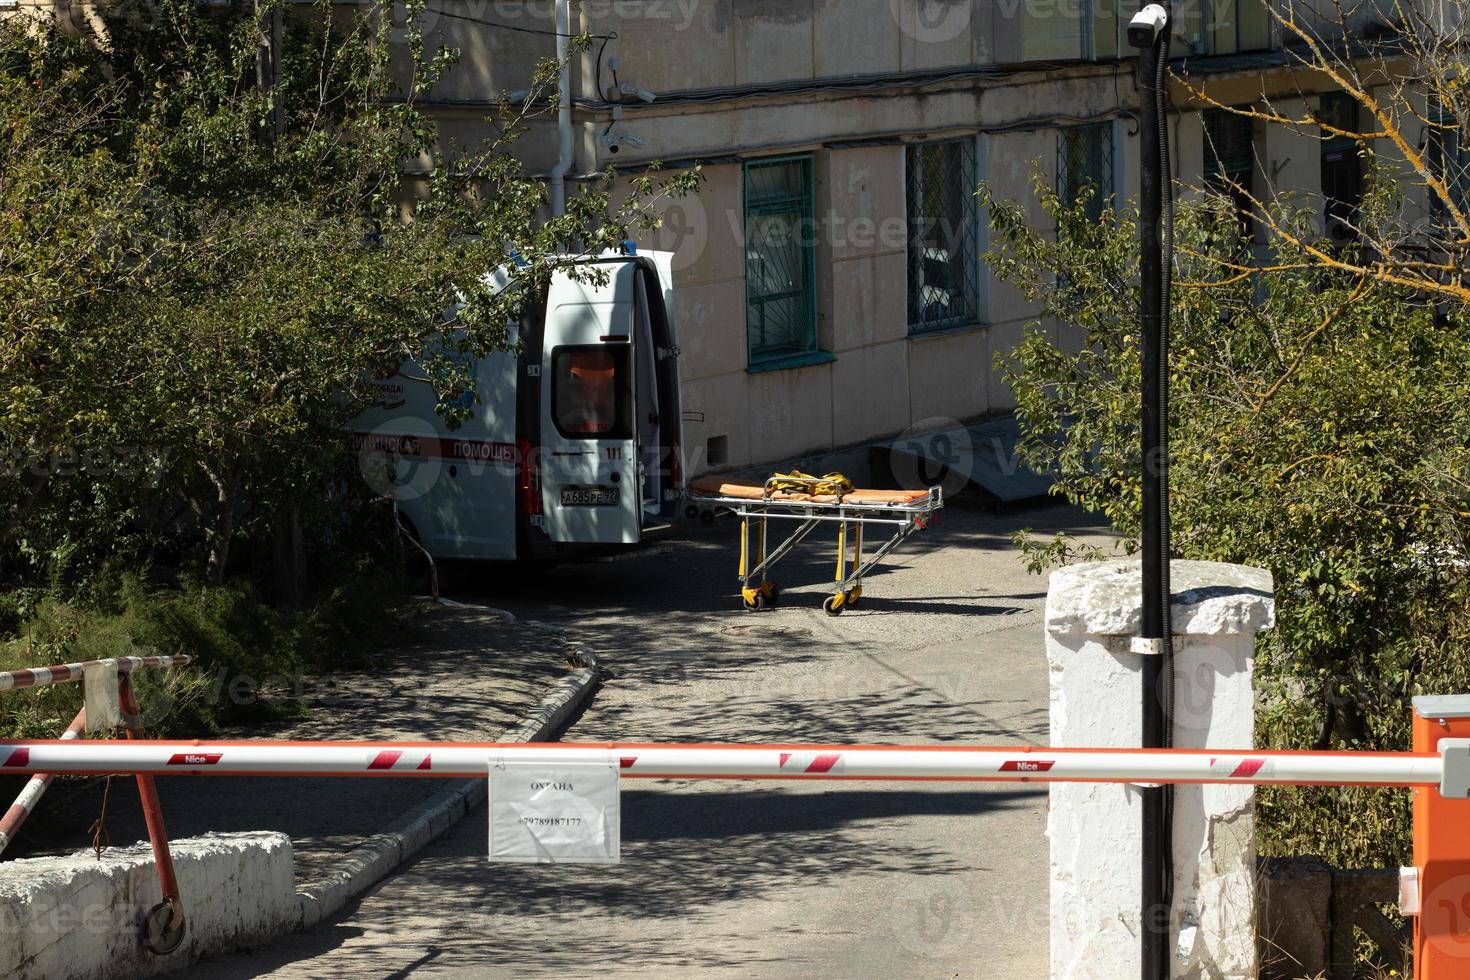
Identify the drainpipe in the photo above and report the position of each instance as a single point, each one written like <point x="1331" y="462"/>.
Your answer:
<point x="564" y="109"/>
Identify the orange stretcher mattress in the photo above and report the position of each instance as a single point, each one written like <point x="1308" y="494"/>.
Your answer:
<point x="714" y="486"/>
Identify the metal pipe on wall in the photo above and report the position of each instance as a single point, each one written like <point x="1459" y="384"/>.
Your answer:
<point x="558" y="182"/>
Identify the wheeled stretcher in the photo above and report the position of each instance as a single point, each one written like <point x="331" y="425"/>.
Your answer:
<point x="787" y="498"/>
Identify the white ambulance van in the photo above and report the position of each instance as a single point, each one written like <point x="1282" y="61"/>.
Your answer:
<point x="575" y="439"/>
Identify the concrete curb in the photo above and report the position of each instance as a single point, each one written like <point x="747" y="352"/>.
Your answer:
<point x="380" y="855"/>
<point x="79" y="916"/>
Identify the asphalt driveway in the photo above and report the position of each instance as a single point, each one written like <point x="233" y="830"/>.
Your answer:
<point x="751" y="879"/>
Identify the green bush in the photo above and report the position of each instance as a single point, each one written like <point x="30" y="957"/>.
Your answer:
<point x="202" y="277"/>
<point x="241" y="645"/>
<point x="1320" y="429"/>
<point x="1358" y="827"/>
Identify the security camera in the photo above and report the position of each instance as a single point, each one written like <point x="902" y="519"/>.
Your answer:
<point x="616" y="141"/>
<point x="641" y="94"/>
<point x="1146" y="25"/>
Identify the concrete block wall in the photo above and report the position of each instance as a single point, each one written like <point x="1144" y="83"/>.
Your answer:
<point x="882" y="380"/>
<point x="1312" y="916"/>
<point x="864" y="303"/>
<point x="1292" y="160"/>
<point x="752" y="42"/>
<point x="1187" y="137"/>
<point x="79" y="917"/>
<point x="1011" y="160"/>
<point x="1418" y="205"/>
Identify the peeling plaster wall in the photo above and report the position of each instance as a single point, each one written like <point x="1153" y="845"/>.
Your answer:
<point x="1095" y="701"/>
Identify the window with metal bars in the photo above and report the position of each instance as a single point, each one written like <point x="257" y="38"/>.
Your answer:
<point x="1342" y="165"/>
<point x="1448" y="157"/>
<point x="1085" y="159"/>
<point x="1230" y="162"/>
<point x="780" y="260"/>
<point x="1236" y="26"/>
<point x="943" y="219"/>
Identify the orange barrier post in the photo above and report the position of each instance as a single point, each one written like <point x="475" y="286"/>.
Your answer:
<point x="163" y="928"/>
<point x="25" y="803"/>
<point x="1441" y="851"/>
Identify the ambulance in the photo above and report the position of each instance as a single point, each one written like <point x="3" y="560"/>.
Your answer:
<point x="573" y="446"/>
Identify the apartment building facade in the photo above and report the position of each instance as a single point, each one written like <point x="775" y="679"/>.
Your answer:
<point x="832" y="283"/>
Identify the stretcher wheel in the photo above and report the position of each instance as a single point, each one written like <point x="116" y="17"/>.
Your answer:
<point x="834" y="604"/>
<point x="852" y="598"/>
<point x="756" y="603"/>
<point x="707" y="518"/>
<point x="163" y="929"/>
<point x="691" y="512"/>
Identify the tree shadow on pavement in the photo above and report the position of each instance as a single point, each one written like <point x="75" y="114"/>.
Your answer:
<point x="919" y="714"/>
<point x="690" y="855"/>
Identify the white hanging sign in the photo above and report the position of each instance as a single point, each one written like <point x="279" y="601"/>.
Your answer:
<point x="542" y="813"/>
<point x="102" y="699"/>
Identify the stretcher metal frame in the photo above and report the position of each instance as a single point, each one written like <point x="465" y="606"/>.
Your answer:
<point x="756" y="559"/>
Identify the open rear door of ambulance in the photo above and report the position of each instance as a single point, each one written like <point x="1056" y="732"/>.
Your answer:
<point x="589" y="458"/>
<point x="663" y="456"/>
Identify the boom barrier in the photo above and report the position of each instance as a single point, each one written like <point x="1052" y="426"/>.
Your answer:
<point x="705" y="761"/>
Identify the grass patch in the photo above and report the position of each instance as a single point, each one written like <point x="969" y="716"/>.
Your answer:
<point x="243" y="648"/>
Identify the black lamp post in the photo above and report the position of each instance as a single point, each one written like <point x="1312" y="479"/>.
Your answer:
<point x="1149" y="32"/>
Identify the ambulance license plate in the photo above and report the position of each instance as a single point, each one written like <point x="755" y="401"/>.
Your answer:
<point x="589" y="496"/>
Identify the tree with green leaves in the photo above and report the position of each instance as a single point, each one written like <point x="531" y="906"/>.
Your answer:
<point x="206" y="257"/>
<point x="1320" y="428"/>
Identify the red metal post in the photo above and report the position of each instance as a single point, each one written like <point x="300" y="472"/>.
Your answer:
<point x="173" y="928"/>
<point x="1441" y="852"/>
<point x="35" y="788"/>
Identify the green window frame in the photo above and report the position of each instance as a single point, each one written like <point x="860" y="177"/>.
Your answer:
<point x="780" y="261"/>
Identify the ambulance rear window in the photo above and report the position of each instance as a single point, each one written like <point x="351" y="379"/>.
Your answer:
<point x="589" y="391"/>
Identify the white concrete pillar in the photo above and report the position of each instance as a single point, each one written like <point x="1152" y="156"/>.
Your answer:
<point x="1092" y="611"/>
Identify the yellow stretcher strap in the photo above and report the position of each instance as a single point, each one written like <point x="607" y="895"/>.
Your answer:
<point x="829" y="485"/>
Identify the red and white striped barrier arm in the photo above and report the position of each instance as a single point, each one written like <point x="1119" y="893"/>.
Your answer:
<point x="14" y="680"/>
<point x="665" y="761"/>
<point x="34" y="789"/>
